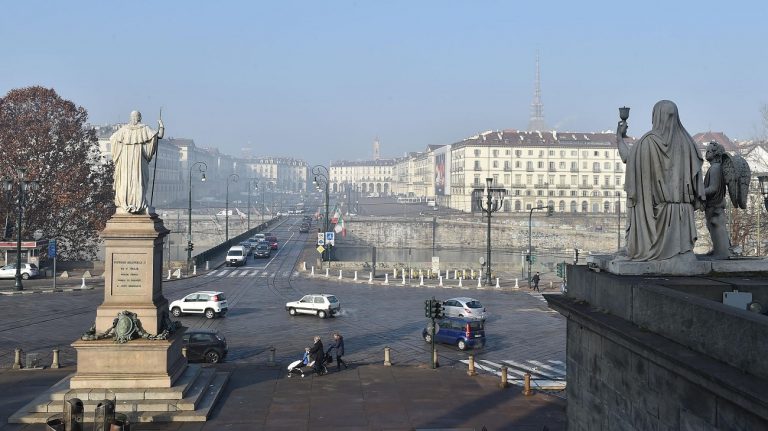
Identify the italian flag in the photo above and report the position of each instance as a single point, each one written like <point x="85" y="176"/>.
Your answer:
<point x="341" y="226"/>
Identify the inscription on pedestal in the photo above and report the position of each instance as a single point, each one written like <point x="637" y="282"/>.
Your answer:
<point x="127" y="269"/>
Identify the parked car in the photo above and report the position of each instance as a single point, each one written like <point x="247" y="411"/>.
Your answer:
<point x="272" y="240"/>
<point x="28" y="270"/>
<point x="461" y="332"/>
<point x="236" y="256"/>
<point x="464" y="307"/>
<point x="262" y="250"/>
<point x="304" y="228"/>
<point x="207" y="302"/>
<point x="205" y="345"/>
<point x="320" y="304"/>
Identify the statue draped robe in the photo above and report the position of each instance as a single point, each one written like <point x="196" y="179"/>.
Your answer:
<point x="133" y="146"/>
<point x="663" y="185"/>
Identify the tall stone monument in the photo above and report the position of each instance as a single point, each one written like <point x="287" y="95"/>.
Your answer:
<point x="133" y="349"/>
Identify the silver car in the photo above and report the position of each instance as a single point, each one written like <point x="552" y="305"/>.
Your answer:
<point x="464" y="307"/>
<point x="28" y="270"/>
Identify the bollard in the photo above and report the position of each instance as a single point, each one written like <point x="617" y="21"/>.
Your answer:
<point x="271" y="360"/>
<point x="339" y="274"/>
<point x="370" y="277"/>
<point x="420" y="274"/>
<point x="441" y="281"/>
<point x="460" y="282"/>
<point x="394" y="272"/>
<point x="471" y="371"/>
<point x="55" y="363"/>
<point x="184" y="351"/>
<point x="527" y="385"/>
<point x="82" y="286"/>
<point x="480" y="274"/>
<point x="455" y="274"/>
<point x="434" y="358"/>
<point x="355" y="275"/>
<point x="304" y="265"/>
<point x="463" y="273"/>
<point x="207" y="265"/>
<point x="386" y="278"/>
<point x="550" y="284"/>
<point x="438" y="273"/>
<point x="497" y="283"/>
<point x="516" y="286"/>
<point x="504" y="383"/>
<point x="403" y="278"/>
<point x="421" y="280"/>
<point x="479" y="282"/>
<point x="326" y="272"/>
<point x="387" y="361"/>
<point x="17" y="358"/>
<point x="169" y="275"/>
<point x="194" y="270"/>
<point x="313" y="272"/>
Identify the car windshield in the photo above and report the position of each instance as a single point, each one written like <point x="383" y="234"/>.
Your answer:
<point x="476" y="324"/>
<point x="221" y="296"/>
<point x="262" y="246"/>
<point x="332" y="299"/>
<point x="474" y="304"/>
<point x="235" y="253"/>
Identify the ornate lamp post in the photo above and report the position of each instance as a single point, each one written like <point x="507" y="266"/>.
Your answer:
<point x="321" y="182"/>
<point x="201" y="167"/>
<point x="764" y="189"/>
<point x="494" y="200"/>
<point x="24" y="186"/>
<point x="232" y="178"/>
<point x="250" y="186"/>
<point x="550" y="210"/>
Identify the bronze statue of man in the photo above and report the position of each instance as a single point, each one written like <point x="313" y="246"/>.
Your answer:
<point x="133" y="147"/>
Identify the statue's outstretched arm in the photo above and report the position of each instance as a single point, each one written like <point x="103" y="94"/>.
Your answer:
<point x="621" y="133"/>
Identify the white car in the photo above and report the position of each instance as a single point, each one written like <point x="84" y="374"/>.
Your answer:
<point x="28" y="270"/>
<point x="208" y="302"/>
<point x="464" y="307"/>
<point x="320" y="304"/>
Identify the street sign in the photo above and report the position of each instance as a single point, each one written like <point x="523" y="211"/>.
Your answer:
<point x="320" y="249"/>
<point x="51" y="248"/>
<point x="330" y="238"/>
<point x="320" y="238"/>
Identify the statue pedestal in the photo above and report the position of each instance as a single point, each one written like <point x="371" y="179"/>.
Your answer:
<point x="684" y="265"/>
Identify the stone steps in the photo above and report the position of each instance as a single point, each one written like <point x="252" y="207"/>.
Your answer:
<point x="189" y="400"/>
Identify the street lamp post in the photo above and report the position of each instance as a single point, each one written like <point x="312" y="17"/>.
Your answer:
<point x="494" y="200"/>
<point x="232" y="178"/>
<point x="201" y="167"/>
<point x="550" y="211"/>
<point x="250" y="186"/>
<point x="320" y="173"/>
<point x="24" y="186"/>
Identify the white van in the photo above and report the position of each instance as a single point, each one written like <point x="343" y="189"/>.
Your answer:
<point x="236" y="256"/>
<point x="430" y="202"/>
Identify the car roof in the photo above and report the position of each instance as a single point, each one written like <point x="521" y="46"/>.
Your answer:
<point x="201" y="331"/>
<point x="462" y="299"/>
<point x="209" y="292"/>
<point x="321" y="294"/>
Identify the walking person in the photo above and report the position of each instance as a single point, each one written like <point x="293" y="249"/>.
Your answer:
<point x="536" y="279"/>
<point x="338" y="344"/>
<point x="317" y="355"/>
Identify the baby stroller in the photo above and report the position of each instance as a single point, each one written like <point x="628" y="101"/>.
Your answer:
<point x="303" y="366"/>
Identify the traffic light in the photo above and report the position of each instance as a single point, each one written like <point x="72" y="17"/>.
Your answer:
<point x="190" y="246"/>
<point x="550" y="210"/>
<point x="437" y="309"/>
<point x="576" y="259"/>
<point x="427" y="308"/>
<point x="527" y="257"/>
<point x="533" y="258"/>
<point x="560" y="269"/>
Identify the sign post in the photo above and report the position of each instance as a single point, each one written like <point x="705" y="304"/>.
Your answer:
<point x="52" y="252"/>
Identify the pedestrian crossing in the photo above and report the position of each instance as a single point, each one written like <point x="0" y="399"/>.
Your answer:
<point x="236" y="273"/>
<point x="545" y="375"/>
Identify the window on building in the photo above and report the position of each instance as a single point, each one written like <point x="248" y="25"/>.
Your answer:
<point x="529" y="165"/>
<point x="496" y="164"/>
<point x="561" y="165"/>
<point x="562" y="180"/>
<point x="477" y="180"/>
<point x="607" y="155"/>
<point x="540" y="165"/>
<point x="618" y="180"/>
<point x="517" y="164"/>
<point x="597" y="154"/>
<point x="527" y="192"/>
<point x="506" y="179"/>
<point x="517" y="178"/>
<point x="528" y="180"/>
<point x="507" y="152"/>
<point x="518" y="153"/>
<point x="561" y="193"/>
<point x="551" y="166"/>
<point x="574" y="166"/>
<point x="540" y="179"/>
<point x="477" y="165"/>
<point x="495" y="179"/>
<point x="551" y="152"/>
<point x="506" y="165"/>
<point x="530" y="152"/>
<point x="607" y="166"/>
<point x="596" y="180"/>
<point x="477" y="152"/>
<point x="562" y="153"/>
<point x="607" y="180"/>
<point x="517" y="205"/>
<point x="584" y="206"/>
<point x="573" y="193"/>
<point x="585" y="180"/>
<point x="539" y="192"/>
<point x="495" y="153"/>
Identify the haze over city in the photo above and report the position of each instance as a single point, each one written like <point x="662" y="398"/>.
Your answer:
<point x="322" y="80"/>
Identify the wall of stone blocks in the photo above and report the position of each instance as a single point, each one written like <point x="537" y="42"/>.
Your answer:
<point x="613" y="387"/>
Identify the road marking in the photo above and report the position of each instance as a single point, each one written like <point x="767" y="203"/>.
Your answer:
<point x="543" y="376"/>
<point x="233" y="273"/>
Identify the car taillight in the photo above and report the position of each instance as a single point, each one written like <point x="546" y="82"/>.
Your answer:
<point x="215" y="298"/>
<point x="467" y="333"/>
<point x="468" y="311"/>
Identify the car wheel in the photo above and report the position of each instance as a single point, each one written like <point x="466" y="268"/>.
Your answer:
<point x="25" y="276"/>
<point x="292" y="311"/>
<point x="176" y="311"/>
<point x="462" y="345"/>
<point x="212" y="357"/>
<point x="461" y="315"/>
<point x="322" y="314"/>
<point x="428" y="338"/>
<point x="209" y="313"/>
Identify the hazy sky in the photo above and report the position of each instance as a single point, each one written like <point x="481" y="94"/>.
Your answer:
<point x="319" y="80"/>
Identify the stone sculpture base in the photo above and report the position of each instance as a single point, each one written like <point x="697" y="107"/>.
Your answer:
<point x="700" y="265"/>
<point x="104" y="364"/>
<point x="190" y="399"/>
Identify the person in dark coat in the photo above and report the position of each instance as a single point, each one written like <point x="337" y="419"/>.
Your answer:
<point x="338" y="344"/>
<point x="316" y="354"/>
<point x="536" y="279"/>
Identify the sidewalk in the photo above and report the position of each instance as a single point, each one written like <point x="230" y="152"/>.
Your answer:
<point x="364" y="397"/>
